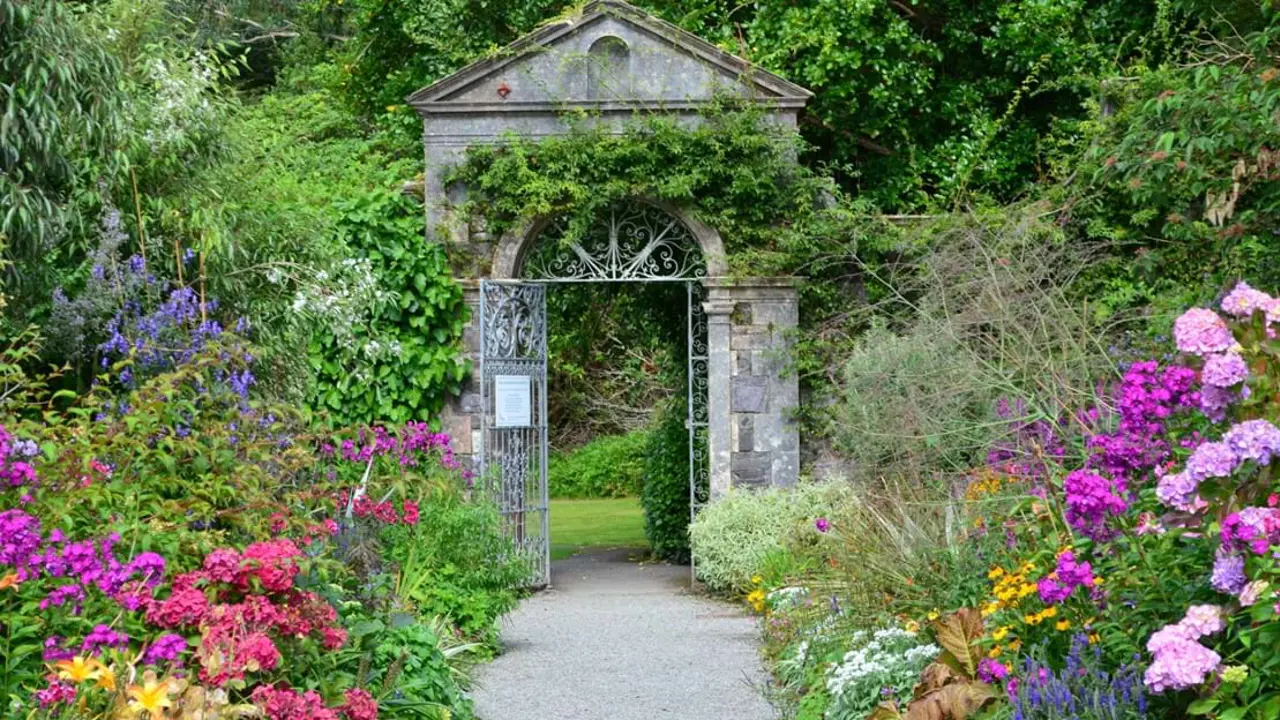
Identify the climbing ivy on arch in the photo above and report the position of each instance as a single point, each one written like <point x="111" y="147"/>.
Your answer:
<point x="734" y="172"/>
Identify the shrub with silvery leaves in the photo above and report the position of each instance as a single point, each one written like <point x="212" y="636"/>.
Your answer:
<point x="878" y="666"/>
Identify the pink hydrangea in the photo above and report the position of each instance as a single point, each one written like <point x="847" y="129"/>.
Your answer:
<point x="1179" y="661"/>
<point x="360" y="705"/>
<point x="1200" y="331"/>
<point x="1224" y="370"/>
<point x="1243" y="300"/>
<point x="1202" y="620"/>
<point x="1180" y="665"/>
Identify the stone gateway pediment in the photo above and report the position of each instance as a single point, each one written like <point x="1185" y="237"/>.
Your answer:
<point x="611" y="55"/>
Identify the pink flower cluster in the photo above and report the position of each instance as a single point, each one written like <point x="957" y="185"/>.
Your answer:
<point x="1201" y="331"/>
<point x="244" y="603"/>
<point x="282" y="703"/>
<point x="1180" y="661"/>
<point x="415" y="440"/>
<point x="1090" y="500"/>
<point x="1058" y="585"/>
<point x="384" y="512"/>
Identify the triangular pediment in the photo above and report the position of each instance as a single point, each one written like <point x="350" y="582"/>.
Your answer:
<point x="611" y="54"/>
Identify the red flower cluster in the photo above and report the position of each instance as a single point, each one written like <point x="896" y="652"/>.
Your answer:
<point x="289" y="704"/>
<point x="252" y="603"/>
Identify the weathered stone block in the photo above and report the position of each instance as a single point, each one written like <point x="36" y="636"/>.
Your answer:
<point x="785" y="468"/>
<point x="751" y="338"/>
<point x="774" y="431"/>
<point x="777" y="314"/>
<point x="470" y="403"/>
<point x="458" y="427"/>
<point x="742" y="314"/>
<point x="742" y="362"/>
<point x="751" y="470"/>
<point x="750" y="394"/>
<point x="746" y="433"/>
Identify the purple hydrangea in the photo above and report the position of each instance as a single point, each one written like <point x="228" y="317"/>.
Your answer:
<point x="1224" y="370"/>
<point x="1214" y="401"/>
<point x="1212" y="460"/>
<point x="1200" y="331"/>
<point x="1228" y="573"/>
<point x="1256" y="440"/>
<point x="1178" y="490"/>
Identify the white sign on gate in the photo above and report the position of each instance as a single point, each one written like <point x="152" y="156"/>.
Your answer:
<point x="512" y="401"/>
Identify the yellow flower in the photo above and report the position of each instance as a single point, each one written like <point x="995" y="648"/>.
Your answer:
<point x="1000" y="633"/>
<point x="106" y="678"/>
<point x="1062" y="625"/>
<point x="995" y="573"/>
<point x="756" y="579"/>
<point x="1032" y="619"/>
<point x="1027" y="568"/>
<point x="150" y="697"/>
<point x="1049" y="612"/>
<point x="1026" y="589"/>
<point x="77" y="669"/>
<point x="994" y="652"/>
<point x="990" y="609"/>
<point x="911" y="626"/>
<point x="933" y="615"/>
<point x="1097" y="580"/>
<point x="1094" y="638"/>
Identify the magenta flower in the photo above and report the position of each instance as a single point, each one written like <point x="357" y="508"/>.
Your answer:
<point x="822" y="524"/>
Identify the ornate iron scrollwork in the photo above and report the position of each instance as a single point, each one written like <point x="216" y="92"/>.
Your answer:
<point x="631" y="241"/>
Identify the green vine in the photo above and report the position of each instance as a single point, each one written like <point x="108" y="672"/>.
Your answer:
<point x="733" y="171"/>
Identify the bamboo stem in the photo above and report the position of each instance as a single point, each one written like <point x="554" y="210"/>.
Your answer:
<point x="137" y="211"/>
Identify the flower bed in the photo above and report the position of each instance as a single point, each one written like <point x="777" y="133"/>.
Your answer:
<point x="172" y="545"/>
<point x="1116" y="560"/>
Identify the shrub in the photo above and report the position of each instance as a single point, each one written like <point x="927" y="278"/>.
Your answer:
<point x="666" y="486"/>
<point x="734" y="537"/>
<point x="607" y="467"/>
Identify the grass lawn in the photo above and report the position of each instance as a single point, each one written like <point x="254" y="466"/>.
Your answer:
<point x="578" y="525"/>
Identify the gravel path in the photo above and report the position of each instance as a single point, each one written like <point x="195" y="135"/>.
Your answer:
<point x="616" y="640"/>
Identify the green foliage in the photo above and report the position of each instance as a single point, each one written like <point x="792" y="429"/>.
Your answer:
<point x="454" y="563"/>
<point x="665" y="496"/>
<point x="615" y="352"/>
<point x="1183" y="176"/>
<point x="734" y="538"/>
<point x="413" y="675"/>
<point x="733" y="171"/>
<point x="405" y="363"/>
<point x="67" y="110"/>
<point x="612" y="466"/>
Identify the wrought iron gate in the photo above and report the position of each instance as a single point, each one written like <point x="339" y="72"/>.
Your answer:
<point x="513" y="426"/>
